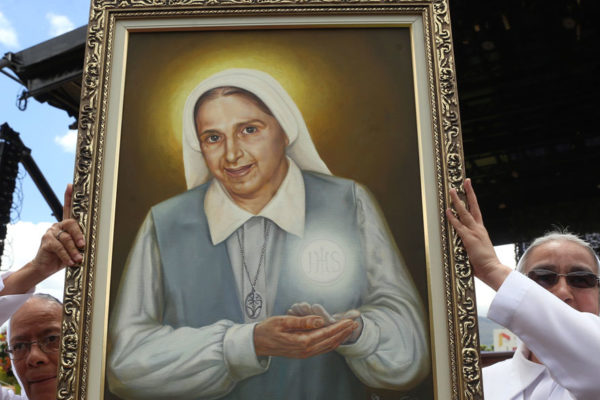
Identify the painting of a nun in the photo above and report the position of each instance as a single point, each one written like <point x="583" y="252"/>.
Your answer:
<point x="269" y="278"/>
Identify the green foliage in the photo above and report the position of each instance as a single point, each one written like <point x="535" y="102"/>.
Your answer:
<point x="6" y="374"/>
<point x="484" y="347"/>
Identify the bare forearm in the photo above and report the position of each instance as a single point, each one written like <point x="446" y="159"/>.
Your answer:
<point x="468" y="223"/>
<point x="23" y="280"/>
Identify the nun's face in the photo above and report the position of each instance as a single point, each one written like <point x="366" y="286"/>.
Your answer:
<point x="243" y="146"/>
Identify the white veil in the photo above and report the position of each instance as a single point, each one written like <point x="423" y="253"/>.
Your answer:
<point x="8" y="335"/>
<point x="300" y="149"/>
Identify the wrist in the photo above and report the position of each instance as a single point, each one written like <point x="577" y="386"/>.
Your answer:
<point x="257" y="341"/>
<point x="496" y="276"/>
<point x="239" y="353"/>
<point x="37" y="271"/>
<point x="22" y="280"/>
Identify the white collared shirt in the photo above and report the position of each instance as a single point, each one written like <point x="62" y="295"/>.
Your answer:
<point x="286" y="208"/>
<point x="528" y="380"/>
<point x="8" y="305"/>
<point x="565" y="340"/>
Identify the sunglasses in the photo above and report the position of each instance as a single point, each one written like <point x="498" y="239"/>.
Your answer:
<point x="576" y="279"/>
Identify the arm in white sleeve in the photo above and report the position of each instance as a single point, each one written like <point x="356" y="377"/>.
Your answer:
<point x="392" y="350"/>
<point x="11" y="303"/>
<point x="148" y="359"/>
<point x="7" y="394"/>
<point x="565" y="340"/>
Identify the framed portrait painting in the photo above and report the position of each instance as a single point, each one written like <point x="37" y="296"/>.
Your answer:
<point x="262" y="185"/>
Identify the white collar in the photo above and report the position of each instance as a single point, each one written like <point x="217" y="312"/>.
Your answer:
<point x="525" y="370"/>
<point x="509" y="379"/>
<point x="286" y="208"/>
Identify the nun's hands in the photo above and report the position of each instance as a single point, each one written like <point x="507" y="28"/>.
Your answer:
<point x="468" y="223"/>
<point x="300" y="337"/>
<point x="305" y="309"/>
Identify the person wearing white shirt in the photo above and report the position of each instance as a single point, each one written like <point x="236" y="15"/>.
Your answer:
<point x="271" y="280"/>
<point x="34" y="329"/>
<point x="551" y="303"/>
<point x="9" y="303"/>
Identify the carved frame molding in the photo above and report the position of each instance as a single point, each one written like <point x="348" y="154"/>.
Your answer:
<point x="463" y="343"/>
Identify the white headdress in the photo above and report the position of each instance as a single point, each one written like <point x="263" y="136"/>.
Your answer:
<point x="15" y="373"/>
<point x="300" y="149"/>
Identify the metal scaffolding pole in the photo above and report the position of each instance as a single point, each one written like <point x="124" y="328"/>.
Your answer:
<point x="13" y="151"/>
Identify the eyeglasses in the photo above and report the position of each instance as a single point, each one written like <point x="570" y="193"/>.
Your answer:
<point x="576" y="279"/>
<point x="48" y="344"/>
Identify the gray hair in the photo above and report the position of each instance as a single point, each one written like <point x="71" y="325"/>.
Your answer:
<point x="47" y="297"/>
<point x="555" y="236"/>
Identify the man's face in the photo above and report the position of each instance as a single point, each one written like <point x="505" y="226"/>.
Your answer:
<point x="243" y="146"/>
<point x="564" y="256"/>
<point x="35" y="320"/>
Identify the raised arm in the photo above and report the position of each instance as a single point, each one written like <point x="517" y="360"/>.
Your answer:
<point x="59" y="247"/>
<point x="564" y="339"/>
<point x="469" y="226"/>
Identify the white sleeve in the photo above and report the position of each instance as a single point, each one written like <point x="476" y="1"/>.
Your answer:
<point x="565" y="340"/>
<point x="392" y="350"/>
<point x="199" y="362"/>
<point x="7" y="394"/>
<point x="10" y="303"/>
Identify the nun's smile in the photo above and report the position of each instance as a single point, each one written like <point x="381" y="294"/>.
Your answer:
<point x="244" y="147"/>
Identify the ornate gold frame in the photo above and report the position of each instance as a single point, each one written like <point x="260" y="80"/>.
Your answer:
<point x="459" y="354"/>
